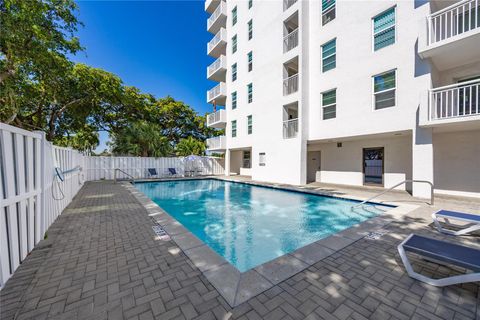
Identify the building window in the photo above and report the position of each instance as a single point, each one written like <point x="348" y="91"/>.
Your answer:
<point x="249" y="92"/>
<point x="328" y="11"/>
<point x="250" y="4"/>
<point x="234" y="128"/>
<point x="250" y="61"/>
<point x="234" y="16"/>
<point x="384" y="87"/>
<point x="247" y="163"/>
<point x="329" y="104"/>
<point x="384" y="29"/>
<point x="249" y="124"/>
<point x="234" y="100"/>
<point x="329" y="55"/>
<point x="234" y="72"/>
<point x="261" y="159"/>
<point x="234" y="44"/>
<point x="250" y="30"/>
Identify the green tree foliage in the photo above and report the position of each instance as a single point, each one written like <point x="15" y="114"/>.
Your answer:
<point x="189" y="146"/>
<point x="141" y="139"/>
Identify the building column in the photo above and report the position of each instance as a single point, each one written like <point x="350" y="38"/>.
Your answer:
<point x="227" y="162"/>
<point x="422" y="161"/>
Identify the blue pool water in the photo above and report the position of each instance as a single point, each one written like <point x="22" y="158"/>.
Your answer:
<point x="250" y="225"/>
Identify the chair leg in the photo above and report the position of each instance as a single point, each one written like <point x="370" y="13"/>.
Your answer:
<point x="471" y="227"/>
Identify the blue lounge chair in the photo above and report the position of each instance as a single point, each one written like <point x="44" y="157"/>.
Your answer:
<point x="172" y="171"/>
<point x="473" y="222"/>
<point x="152" y="172"/>
<point x="441" y="251"/>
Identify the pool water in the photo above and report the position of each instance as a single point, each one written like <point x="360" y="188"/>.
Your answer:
<point x="250" y="225"/>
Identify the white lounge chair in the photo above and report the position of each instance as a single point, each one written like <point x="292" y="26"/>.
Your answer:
<point x="473" y="222"/>
<point x="441" y="251"/>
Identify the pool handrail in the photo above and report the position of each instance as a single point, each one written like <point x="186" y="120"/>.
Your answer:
<point x="115" y="175"/>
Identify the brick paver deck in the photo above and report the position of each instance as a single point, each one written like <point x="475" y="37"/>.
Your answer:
<point x="101" y="260"/>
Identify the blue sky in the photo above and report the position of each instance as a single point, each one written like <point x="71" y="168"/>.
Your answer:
<point x="157" y="46"/>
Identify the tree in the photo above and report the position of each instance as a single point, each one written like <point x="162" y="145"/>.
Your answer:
<point x="190" y="145"/>
<point x="141" y="139"/>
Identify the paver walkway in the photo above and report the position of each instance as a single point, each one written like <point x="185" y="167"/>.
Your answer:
<point x="101" y="260"/>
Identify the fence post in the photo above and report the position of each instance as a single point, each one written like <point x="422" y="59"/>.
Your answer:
<point x="43" y="179"/>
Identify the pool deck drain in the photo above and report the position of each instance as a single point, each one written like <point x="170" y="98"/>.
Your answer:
<point x="237" y="287"/>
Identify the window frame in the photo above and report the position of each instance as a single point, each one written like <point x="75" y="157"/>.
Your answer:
<point x="234" y="44"/>
<point x="234" y="72"/>
<point x="234" y="16"/>
<point x="383" y="91"/>
<point x="250" y="4"/>
<point x="394" y="8"/>
<point x="250" y="29"/>
<point x="249" y="124"/>
<point x="334" y="54"/>
<point x="329" y="105"/>
<point x="234" y="100"/>
<point x="328" y="10"/>
<point x="234" y="128"/>
<point x="250" y="92"/>
<point x="250" y="61"/>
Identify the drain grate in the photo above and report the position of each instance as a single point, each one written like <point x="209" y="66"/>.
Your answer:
<point x="161" y="234"/>
<point x="375" y="235"/>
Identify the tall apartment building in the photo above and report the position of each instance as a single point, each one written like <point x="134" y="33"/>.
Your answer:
<point x="348" y="92"/>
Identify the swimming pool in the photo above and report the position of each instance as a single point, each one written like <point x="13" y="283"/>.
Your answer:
<point x="249" y="225"/>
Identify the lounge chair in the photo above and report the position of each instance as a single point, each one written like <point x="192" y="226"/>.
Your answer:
<point x="473" y="222"/>
<point x="441" y="251"/>
<point x="152" y="172"/>
<point x="172" y="172"/>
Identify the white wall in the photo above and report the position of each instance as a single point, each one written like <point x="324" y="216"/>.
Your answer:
<point x="456" y="163"/>
<point x="345" y="166"/>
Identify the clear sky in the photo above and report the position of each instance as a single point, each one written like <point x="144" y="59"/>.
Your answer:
<point x="157" y="46"/>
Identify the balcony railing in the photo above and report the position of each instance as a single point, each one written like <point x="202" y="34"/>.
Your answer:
<point x="290" y="128"/>
<point x="216" y="117"/>
<point x="290" y="41"/>
<point x="221" y="9"/>
<point x="454" y="20"/>
<point x="454" y="101"/>
<point x="218" y="90"/>
<point x="288" y="3"/>
<point x="290" y="85"/>
<point x="221" y="35"/>
<point x="216" y="65"/>
<point x="216" y="143"/>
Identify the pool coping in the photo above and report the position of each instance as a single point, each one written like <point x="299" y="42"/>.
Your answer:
<point x="238" y="287"/>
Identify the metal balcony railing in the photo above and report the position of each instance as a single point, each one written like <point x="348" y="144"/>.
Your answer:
<point x="290" y="85"/>
<point x="221" y="9"/>
<point x="454" y="20"/>
<point x="290" y="128"/>
<point x="216" y="65"/>
<point x="216" y="117"/>
<point x="290" y="41"/>
<point x="216" y="143"/>
<point x="456" y="100"/>
<point x="288" y="3"/>
<point x="221" y="35"/>
<point x="218" y="90"/>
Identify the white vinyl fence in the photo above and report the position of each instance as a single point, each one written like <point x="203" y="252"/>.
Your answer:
<point x="38" y="180"/>
<point x="32" y="197"/>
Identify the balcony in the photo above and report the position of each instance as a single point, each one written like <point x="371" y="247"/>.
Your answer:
<point x="453" y="35"/>
<point x="211" y="5"/>
<point x="456" y="103"/>
<point x="288" y="3"/>
<point x="217" y="94"/>
<point x="290" y="85"/>
<point x="217" y="70"/>
<point x="217" y="119"/>
<point x="217" y="46"/>
<point x="218" y="19"/>
<point x="217" y="143"/>
<point x="290" y="41"/>
<point x="290" y="128"/>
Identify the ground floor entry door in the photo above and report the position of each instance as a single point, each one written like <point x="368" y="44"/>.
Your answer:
<point x="313" y="165"/>
<point x="373" y="166"/>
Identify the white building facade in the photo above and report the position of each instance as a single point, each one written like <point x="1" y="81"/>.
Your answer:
<point x="348" y="92"/>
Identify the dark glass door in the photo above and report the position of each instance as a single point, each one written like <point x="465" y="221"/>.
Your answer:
<point x="373" y="166"/>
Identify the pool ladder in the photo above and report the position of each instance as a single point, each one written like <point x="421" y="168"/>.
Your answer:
<point x="132" y="178"/>
<point x="393" y="187"/>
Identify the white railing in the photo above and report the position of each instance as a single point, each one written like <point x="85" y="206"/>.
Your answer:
<point x="456" y="19"/>
<point x="288" y="3"/>
<point x="220" y="36"/>
<point x="103" y="168"/>
<point x="32" y="194"/>
<point x="215" y="92"/>
<point x="220" y="63"/>
<point x="216" y="117"/>
<point x="221" y="9"/>
<point x="216" y="143"/>
<point x="290" y="41"/>
<point x="290" y="128"/>
<point x="456" y="100"/>
<point x="290" y="85"/>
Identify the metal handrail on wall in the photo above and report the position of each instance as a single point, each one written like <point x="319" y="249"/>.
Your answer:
<point x="115" y="175"/>
<point x="399" y="184"/>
